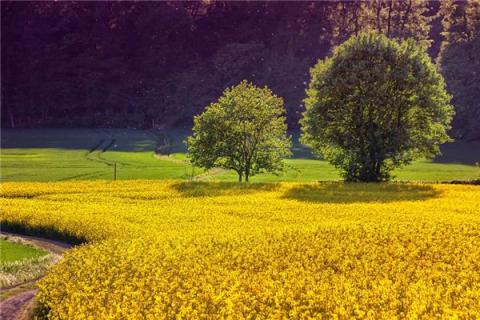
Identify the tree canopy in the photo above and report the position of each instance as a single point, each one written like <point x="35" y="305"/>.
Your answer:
<point x="374" y="105"/>
<point x="244" y="131"/>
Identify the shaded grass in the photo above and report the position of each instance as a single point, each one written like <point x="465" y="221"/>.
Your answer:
<point x="323" y="192"/>
<point x="360" y="192"/>
<point x="211" y="189"/>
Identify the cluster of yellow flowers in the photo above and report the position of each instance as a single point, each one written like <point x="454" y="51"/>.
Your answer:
<point x="164" y="250"/>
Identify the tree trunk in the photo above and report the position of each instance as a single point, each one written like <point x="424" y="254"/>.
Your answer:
<point x="389" y="18"/>
<point x="239" y="176"/>
<point x="379" y="9"/>
<point x="405" y="18"/>
<point x="378" y="166"/>
<point x="465" y="22"/>
<point x="356" y="19"/>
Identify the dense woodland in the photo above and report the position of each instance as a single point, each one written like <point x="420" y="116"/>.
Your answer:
<point x="156" y="64"/>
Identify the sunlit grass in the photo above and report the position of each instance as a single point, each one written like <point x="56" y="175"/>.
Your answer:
<point x="298" y="170"/>
<point x="21" y="261"/>
<point x="66" y="154"/>
<point x="15" y="251"/>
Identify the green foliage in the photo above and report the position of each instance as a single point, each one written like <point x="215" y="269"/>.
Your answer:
<point x="375" y="105"/>
<point x="244" y="131"/>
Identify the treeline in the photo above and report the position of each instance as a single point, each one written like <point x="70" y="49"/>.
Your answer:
<point x="156" y="64"/>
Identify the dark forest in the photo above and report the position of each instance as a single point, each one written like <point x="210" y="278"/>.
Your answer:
<point x="156" y="64"/>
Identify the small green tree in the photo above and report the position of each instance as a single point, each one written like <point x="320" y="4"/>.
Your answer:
<point x="375" y="105"/>
<point x="244" y="131"/>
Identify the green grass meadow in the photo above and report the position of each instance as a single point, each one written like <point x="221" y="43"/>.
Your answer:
<point x="14" y="251"/>
<point x="92" y="154"/>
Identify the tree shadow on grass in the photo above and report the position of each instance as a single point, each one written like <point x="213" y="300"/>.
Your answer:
<point x="345" y="193"/>
<point x="213" y="189"/>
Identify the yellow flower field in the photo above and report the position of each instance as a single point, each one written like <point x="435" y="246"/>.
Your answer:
<point x="165" y="250"/>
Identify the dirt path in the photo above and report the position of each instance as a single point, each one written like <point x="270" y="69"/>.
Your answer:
<point x="18" y="304"/>
<point x="13" y="307"/>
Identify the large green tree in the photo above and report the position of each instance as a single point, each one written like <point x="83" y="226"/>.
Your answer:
<point x="244" y="131"/>
<point x="376" y="104"/>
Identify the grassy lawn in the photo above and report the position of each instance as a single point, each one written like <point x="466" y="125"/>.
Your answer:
<point x="298" y="170"/>
<point x="21" y="261"/>
<point x="85" y="154"/>
<point x="14" y="251"/>
<point x="89" y="154"/>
